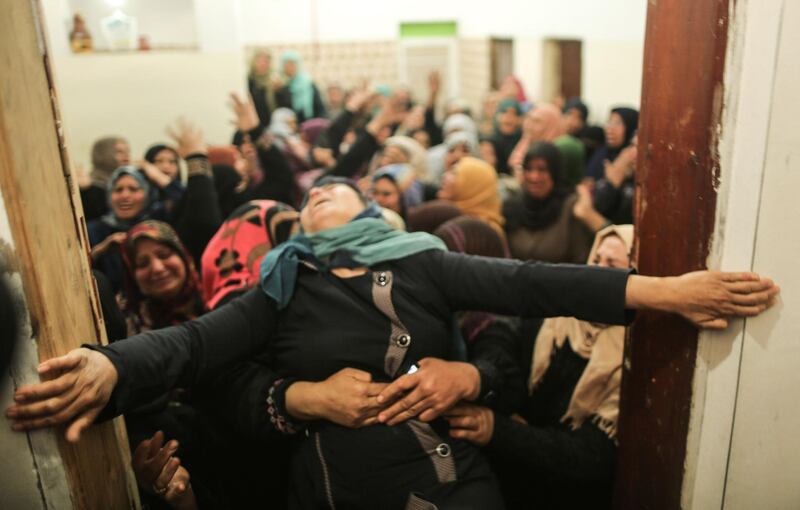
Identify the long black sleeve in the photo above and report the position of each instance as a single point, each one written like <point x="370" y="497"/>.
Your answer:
<point x="583" y="455"/>
<point x="197" y="216"/>
<point x="150" y="364"/>
<point x="493" y="352"/>
<point x="319" y="105"/>
<point x="614" y="203"/>
<point x="350" y="163"/>
<point x="530" y="289"/>
<point x="333" y="136"/>
<point x="278" y="183"/>
<point x="433" y="129"/>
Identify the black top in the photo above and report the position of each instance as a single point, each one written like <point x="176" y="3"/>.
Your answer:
<point x="95" y="202"/>
<point x="283" y="96"/>
<point x="615" y="204"/>
<point x="331" y="324"/>
<point x="545" y="464"/>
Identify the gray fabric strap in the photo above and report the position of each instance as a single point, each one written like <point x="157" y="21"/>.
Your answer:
<point x="325" y="475"/>
<point x="400" y="339"/>
<point x="417" y="503"/>
<point x="440" y="452"/>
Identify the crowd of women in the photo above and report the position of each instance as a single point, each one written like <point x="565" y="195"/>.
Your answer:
<point x="343" y="301"/>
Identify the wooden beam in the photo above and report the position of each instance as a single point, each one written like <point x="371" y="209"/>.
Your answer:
<point x="50" y="244"/>
<point x="678" y="172"/>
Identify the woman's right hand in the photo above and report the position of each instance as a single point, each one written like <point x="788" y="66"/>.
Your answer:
<point x="348" y="398"/>
<point x="101" y="248"/>
<point x="78" y="386"/>
<point x="159" y="472"/>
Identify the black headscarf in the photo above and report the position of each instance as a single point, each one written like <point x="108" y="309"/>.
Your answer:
<point x="596" y="167"/>
<point x="523" y="210"/>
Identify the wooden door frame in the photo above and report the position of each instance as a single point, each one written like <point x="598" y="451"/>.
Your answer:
<point x="677" y="178"/>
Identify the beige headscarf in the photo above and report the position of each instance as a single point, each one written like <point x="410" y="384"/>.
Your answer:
<point x="417" y="155"/>
<point x="596" y="395"/>
<point x="476" y="193"/>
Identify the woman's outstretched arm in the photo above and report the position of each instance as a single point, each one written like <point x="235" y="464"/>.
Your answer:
<point x="78" y="386"/>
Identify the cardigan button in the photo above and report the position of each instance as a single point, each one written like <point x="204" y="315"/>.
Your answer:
<point x="443" y="450"/>
<point x="403" y="341"/>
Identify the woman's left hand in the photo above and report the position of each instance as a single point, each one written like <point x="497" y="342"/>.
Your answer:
<point x="706" y="298"/>
<point x="433" y="389"/>
<point x="471" y="422"/>
<point x="188" y="138"/>
<point x="709" y="298"/>
<point x="154" y="174"/>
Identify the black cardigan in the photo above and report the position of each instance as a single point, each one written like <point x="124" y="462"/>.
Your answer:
<point x="330" y="324"/>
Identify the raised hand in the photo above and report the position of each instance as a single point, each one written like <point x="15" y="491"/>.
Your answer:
<point x="358" y="99"/>
<point x="159" y="472"/>
<point x="188" y="138"/>
<point x="152" y="172"/>
<point x="78" y="385"/>
<point x="434" y="388"/>
<point x="246" y="118"/>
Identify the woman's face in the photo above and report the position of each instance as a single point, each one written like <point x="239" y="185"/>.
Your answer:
<point x="127" y="198"/>
<point x="615" y="131"/>
<point x="330" y="206"/>
<point x="612" y="252"/>
<point x="385" y="192"/>
<point x="167" y="162"/>
<point x="455" y="155"/>
<point x="537" y="180"/>
<point x="423" y="138"/>
<point x="573" y="119"/>
<point x="262" y="63"/>
<point x="534" y="124"/>
<point x="449" y="185"/>
<point x="393" y="154"/>
<point x="290" y="68"/>
<point x="508" y="121"/>
<point x="488" y="153"/>
<point x="159" y="271"/>
<point x="122" y="153"/>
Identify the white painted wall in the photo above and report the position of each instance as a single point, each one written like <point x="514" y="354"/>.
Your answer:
<point x="743" y="446"/>
<point x="612" y="32"/>
<point x="136" y="95"/>
<point x="169" y="23"/>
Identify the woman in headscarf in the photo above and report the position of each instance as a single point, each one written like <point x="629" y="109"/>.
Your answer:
<point x="507" y="132"/>
<point x="108" y="154"/>
<point x="352" y="292"/>
<point x="621" y="126"/>
<point x="559" y="450"/>
<point x="230" y="262"/>
<point x="161" y="284"/>
<point x="196" y="216"/>
<point x="299" y="93"/>
<point x="540" y="219"/>
<point x="395" y="187"/>
<point x="404" y="149"/>
<point x="263" y="83"/>
<point x="165" y="179"/>
<point x="544" y="123"/>
<point x="472" y="187"/>
<point x="456" y="124"/>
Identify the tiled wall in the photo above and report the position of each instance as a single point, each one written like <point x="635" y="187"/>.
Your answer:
<point x="475" y="71"/>
<point x="345" y="62"/>
<point x="350" y="62"/>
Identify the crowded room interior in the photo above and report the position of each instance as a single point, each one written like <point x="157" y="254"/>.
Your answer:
<point x="323" y="254"/>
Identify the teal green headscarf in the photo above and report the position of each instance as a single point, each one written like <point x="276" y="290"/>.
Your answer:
<point x="362" y="242"/>
<point x="300" y="86"/>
